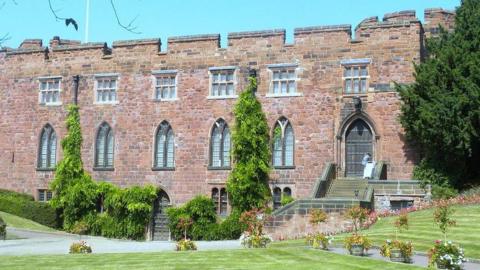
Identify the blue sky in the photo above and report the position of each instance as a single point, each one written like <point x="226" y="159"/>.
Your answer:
<point x="22" y="19"/>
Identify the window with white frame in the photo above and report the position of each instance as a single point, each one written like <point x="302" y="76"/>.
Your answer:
<point x="44" y="195"/>
<point x="284" y="81"/>
<point x="222" y="82"/>
<point x="50" y="91"/>
<point x="355" y="79"/>
<point x="166" y="86"/>
<point x="106" y="89"/>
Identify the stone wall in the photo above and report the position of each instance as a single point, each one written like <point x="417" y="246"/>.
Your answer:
<point x="392" y="46"/>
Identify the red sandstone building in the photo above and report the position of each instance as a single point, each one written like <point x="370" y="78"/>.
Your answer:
<point x="164" y="117"/>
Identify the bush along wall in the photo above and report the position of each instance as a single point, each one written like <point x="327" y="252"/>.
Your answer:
<point x="96" y="208"/>
<point x="23" y="205"/>
<point x="205" y="223"/>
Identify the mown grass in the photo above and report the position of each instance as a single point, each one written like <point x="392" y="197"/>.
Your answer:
<point x="270" y="258"/>
<point x="423" y="231"/>
<point x="22" y="223"/>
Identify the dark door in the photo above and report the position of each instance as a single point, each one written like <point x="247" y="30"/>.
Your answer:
<point x="358" y="142"/>
<point x="160" y="220"/>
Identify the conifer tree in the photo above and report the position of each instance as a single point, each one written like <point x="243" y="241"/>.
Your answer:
<point x="441" y="110"/>
<point x="248" y="182"/>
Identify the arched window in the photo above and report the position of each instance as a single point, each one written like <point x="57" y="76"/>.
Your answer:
<point x="215" y="198"/>
<point x="283" y="143"/>
<point x="220" y="145"/>
<point x="277" y="198"/>
<point x="164" y="146"/>
<point x="220" y="199"/>
<point x="47" y="150"/>
<point x="104" y="147"/>
<point x="287" y="192"/>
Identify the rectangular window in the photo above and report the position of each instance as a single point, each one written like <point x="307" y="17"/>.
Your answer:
<point x="284" y="81"/>
<point x="222" y="82"/>
<point x="50" y="91"/>
<point x="44" y="195"/>
<point x="355" y="78"/>
<point x="106" y="90"/>
<point x="165" y="86"/>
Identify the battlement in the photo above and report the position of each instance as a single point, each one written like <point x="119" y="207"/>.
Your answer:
<point x="365" y="32"/>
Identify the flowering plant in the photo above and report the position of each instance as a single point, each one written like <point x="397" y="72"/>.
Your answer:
<point x="357" y="239"/>
<point x="446" y="255"/>
<point x="186" y="244"/>
<point x="254" y="237"/>
<point x="319" y="240"/>
<point x="80" y="247"/>
<point x="255" y="241"/>
<point x="406" y="248"/>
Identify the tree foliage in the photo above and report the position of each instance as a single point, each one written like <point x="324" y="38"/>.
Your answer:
<point x="247" y="184"/>
<point x="441" y="110"/>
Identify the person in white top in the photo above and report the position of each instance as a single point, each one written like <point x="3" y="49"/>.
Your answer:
<point x="368" y="166"/>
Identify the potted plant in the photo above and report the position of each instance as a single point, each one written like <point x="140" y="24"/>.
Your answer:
<point x="254" y="237"/>
<point x="446" y="255"/>
<point x="318" y="239"/>
<point x="185" y="244"/>
<point x="397" y="251"/>
<point x="357" y="244"/>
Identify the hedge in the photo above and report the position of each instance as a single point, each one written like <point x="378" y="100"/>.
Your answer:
<point x="3" y="229"/>
<point x="24" y="206"/>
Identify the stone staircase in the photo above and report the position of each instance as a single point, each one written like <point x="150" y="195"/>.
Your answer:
<point x="348" y="188"/>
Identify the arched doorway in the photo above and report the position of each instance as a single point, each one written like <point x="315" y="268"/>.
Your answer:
<point x="160" y="230"/>
<point x="358" y="141"/>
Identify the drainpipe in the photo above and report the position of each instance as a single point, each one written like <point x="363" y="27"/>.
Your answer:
<point x="76" y="80"/>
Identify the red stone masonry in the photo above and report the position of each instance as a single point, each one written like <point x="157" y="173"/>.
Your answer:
<point x="391" y="45"/>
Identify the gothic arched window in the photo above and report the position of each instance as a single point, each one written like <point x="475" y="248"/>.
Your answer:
<point x="47" y="150"/>
<point x="220" y="145"/>
<point x="104" y="147"/>
<point x="164" y="146"/>
<point x="283" y="144"/>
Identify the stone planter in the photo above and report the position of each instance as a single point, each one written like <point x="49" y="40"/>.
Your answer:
<point x="357" y="250"/>
<point x="396" y="256"/>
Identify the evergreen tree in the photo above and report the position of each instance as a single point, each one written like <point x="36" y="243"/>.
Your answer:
<point x="441" y="110"/>
<point x="248" y="182"/>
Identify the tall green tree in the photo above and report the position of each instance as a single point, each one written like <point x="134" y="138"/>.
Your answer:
<point x="441" y="110"/>
<point x="248" y="182"/>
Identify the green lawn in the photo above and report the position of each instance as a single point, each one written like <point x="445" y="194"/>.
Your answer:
<point x="21" y="223"/>
<point x="423" y="231"/>
<point x="271" y="258"/>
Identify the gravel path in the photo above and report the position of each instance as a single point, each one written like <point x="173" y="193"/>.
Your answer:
<point x="38" y="243"/>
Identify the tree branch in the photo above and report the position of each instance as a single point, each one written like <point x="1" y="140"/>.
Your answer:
<point x="68" y="21"/>
<point x="129" y="27"/>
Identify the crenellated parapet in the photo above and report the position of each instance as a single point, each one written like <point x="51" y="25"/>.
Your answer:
<point x="402" y="25"/>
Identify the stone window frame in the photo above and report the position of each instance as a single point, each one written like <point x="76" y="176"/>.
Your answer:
<point x="222" y="125"/>
<point x="168" y="128"/>
<point x="160" y="74"/>
<point x="106" y="76"/>
<point x="51" y="149"/>
<point x="284" y="67"/>
<point x="352" y="65"/>
<point x="214" y="70"/>
<point x="105" y="166"/>
<point x="44" y="195"/>
<point x="221" y="202"/>
<point x="283" y="123"/>
<point x="277" y="200"/>
<point x="48" y="80"/>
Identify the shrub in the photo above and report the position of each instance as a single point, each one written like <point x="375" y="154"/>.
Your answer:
<point x="286" y="199"/>
<point x="24" y="206"/>
<point x="3" y="229"/>
<point x="443" y="192"/>
<point x="357" y="239"/>
<point x="319" y="240"/>
<point x="80" y="227"/>
<point x="358" y="215"/>
<point x="185" y="245"/>
<point x="255" y="241"/>
<point x="80" y="247"/>
<point x="201" y="210"/>
<point x="406" y="249"/>
<point x="446" y="255"/>
<point x="317" y="216"/>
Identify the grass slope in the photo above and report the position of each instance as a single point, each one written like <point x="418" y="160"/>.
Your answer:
<point x="270" y="258"/>
<point x="22" y="223"/>
<point x="423" y="231"/>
